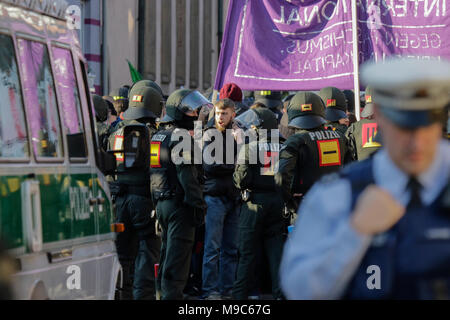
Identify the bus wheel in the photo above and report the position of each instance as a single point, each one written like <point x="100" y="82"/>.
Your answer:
<point x="39" y="291"/>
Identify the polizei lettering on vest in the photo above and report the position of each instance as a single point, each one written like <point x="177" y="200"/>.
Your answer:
<point x="269" y="147"/>
<point x="323" y="135"/>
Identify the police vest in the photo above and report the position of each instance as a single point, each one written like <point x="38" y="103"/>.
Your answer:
<point x="163" y="174"/>
<point x="321" y="152"/>
<point x="412" y="258"/>
<point x="363" y="133"/>
<point x="115" y="142"/>
<point x="267" y="155"/>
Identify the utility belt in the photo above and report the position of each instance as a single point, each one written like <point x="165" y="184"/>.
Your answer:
<point x="166" y="195"/>
<point x="139" y="190"/>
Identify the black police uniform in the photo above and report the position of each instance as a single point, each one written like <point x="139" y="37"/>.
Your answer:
<point x="138" y="247"/>
<point x="311" y="151"/>
<point x="260" y="223"/>
<point x="177" y="192"/>
<point x="361" y="136"/>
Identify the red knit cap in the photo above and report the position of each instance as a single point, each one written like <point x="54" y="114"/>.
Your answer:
<point x="231" y="91"/>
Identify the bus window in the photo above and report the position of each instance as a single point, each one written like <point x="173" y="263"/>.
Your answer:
<point x="69" y="102"/>
<point x="40" y="100"/>
<point x="91" y="113"/>
<point x="13" y="133"/>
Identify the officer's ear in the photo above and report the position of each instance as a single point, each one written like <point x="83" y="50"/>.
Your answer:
<point x="376" y="110"/>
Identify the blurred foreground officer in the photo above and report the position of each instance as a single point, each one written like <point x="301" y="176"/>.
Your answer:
<point x="310" y="152"/>
<point x="381" y="229"/>
<point x="260" y="223"/>
<point x="133" y="201"/>
<point x="176" y="190"/>
<point x="361" y="134"/>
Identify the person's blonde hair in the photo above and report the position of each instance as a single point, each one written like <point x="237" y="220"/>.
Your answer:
<point x="258" y="105"/>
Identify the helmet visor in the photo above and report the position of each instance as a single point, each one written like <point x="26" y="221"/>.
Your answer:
<point x="193" y="101"/>
<point x="247" y="119"/>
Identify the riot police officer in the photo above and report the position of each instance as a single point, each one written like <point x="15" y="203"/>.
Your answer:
<point x="310" y="152"/>
<point x="260" y="222"/>
<point x="361" y="134"/>
<point x="176" y="190"/>
<point x="272" y="100"/>
<point x="101" y="115"/>
<point x="133" y="201"/>
<point x="146" y="83"/>
<point x="335" y="109"/>
<point x="120" y="100"/>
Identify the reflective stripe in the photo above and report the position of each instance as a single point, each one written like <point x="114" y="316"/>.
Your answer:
<point x="155" y="154"/>
<point x="118" y="142"/>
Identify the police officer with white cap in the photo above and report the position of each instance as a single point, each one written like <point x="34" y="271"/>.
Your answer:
<point x="381" y="228"/>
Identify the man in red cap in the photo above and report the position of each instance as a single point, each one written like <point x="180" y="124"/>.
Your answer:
<point x="233" y="92"/>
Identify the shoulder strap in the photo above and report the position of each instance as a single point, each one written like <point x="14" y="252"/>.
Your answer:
<point x="360" y="175"/>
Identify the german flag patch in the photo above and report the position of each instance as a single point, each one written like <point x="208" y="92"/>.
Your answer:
<point x="329" y="153"/>
<point x="368" y="99"/>
<point x="307" y="107"/>
<point x="331" y="102"/>
<point x="137" y="98"/>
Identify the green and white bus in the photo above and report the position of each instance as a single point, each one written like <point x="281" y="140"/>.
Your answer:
<point x="55" y="205"/>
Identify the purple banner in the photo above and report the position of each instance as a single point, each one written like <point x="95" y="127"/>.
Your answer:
<point x="307" y="44"/>
<point x="411" y="28"/>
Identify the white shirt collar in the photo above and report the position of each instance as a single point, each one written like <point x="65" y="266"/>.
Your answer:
<point x="389" y="177"/>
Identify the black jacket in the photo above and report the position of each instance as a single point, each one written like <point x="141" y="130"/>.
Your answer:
<point x="219" y="176"/>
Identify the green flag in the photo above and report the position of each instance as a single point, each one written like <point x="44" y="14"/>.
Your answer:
<point x="135" y="75"/>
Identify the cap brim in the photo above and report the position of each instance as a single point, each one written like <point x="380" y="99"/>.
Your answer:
<point x="332" y="114"/>
<point x="367" y="111"/>
<point x="269" y="103"/>
<point x="133" y="113"/>
<point x="307" y="122"/>
<point x="408" y="119"/>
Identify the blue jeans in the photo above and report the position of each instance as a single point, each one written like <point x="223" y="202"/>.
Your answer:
<point x="221" y="245"/>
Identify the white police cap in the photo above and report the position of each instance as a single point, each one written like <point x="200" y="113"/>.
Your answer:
<point x="411" y="93"/>
<point x="408" y="84"/>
